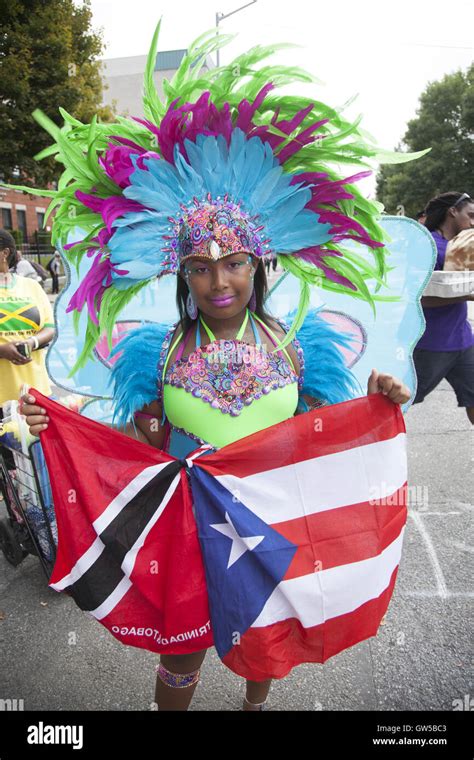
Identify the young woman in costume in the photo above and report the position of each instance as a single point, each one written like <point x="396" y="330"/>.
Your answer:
<point x="218" y="380"/>
<point x="213" y="181"/>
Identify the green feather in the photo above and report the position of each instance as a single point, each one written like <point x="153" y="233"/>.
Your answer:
<point x="50" y="151"/>
<point x="302" y="309"/>
<point x="31" y="190"/>
<point x="396" y="157"/>
<point x="152" y="105"/>
<point x="46" y="123"/>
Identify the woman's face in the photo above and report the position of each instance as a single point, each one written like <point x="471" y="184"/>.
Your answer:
<point x="464" y="217"/>
<point x="220" y="289"/>
<point x="11" y="257"/>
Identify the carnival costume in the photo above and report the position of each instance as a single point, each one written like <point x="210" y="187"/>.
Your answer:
<point x="227" y="165"/>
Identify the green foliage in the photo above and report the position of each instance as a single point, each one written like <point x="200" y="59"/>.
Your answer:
<point x="445" y="122"/>
<point x="48" y="58"/>
<point x="17" y="236"/>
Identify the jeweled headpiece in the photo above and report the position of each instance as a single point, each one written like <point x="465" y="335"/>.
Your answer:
<point x="214" y="229"/>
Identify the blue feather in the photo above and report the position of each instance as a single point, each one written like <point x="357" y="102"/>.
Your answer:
<point x="140" y="241"/>
<point x="134" y="374"/>
<point x="246" y="170"/>
<point x="134" y="217"/>
<point x="301" y="232"/>
<point x="326" y="375"/>
<point x="266" y="189"/>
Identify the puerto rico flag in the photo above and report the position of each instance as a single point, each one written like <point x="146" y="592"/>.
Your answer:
<point x="278" y="549"/>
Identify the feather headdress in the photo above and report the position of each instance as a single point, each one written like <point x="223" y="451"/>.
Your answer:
<point x="222" y="140"/>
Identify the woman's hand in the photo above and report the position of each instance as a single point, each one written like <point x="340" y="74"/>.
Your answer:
<point x="36" y="417"/>
<point x="10" y="352"/>
<point x="390" y="386"/>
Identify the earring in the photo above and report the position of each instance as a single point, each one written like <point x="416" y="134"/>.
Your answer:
<point x="191" y="307"/>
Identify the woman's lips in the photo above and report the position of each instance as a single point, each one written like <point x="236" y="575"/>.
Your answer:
<point x="222" y="301"/>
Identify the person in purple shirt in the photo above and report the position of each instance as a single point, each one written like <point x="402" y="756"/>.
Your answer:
<point x="446" y="349"/>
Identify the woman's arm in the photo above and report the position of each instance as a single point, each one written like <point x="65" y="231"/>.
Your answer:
<point x="43" y="337"/>
<point x="378" y="382"/>
<point x="389" y="385"/>
<point x="10" y="352"/>
<point x="149" y="429"/>
<point x="148" y="424"/>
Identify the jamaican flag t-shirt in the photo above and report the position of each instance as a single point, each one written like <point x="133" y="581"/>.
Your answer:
<point x="24" y="311"/>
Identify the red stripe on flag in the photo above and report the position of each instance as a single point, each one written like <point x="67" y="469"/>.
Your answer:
<point x="344" y="535"/>
<point x="166" y="609"/>
<point x="327" y="430"/>
<point x="170" y="567"/>
<point x="168" y="597"/>
<point x="272" y="651"/>
<point x="91" y="476"/>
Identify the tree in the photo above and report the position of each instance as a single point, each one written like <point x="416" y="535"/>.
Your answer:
<point x="48" y="58"/>
<point x="444" y="122"/>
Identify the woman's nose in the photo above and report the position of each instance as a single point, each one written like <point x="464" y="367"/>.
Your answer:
<point x="219" y="277"/>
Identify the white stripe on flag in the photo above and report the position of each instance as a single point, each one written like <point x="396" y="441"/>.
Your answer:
<point x="113" y="599"/>
<point x="326" y="482"/>
<point x="103" y="521"/>
<point x="130" y="557"/>
<point x="129" y="560"/>
<point x="326" y="594"/>
<point x="124" y="497"/>
<point x="82" y="565"/>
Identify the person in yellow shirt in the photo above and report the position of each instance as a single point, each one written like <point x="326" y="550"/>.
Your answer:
<point x="26" y="324"/>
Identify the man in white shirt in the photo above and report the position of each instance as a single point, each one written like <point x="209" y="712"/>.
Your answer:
<point x="25" y="269"/>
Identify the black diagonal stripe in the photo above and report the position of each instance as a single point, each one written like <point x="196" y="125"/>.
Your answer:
<point x="31" y="313"/>
<point x="98" y="582"/>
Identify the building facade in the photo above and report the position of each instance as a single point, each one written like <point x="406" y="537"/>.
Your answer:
<point x="123" y="79"/>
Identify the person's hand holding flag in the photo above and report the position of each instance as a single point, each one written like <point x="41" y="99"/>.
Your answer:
<point x="390" y="386"/>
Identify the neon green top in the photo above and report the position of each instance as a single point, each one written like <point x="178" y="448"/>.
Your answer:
<point x="227" y="389"/>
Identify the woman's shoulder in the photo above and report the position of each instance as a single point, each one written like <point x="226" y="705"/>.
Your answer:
<point x="279" y="329"/>
<point x="27" y="285"/>
<point x="277" y="326"/>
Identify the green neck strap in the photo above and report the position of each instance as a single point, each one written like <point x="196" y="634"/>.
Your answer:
<point x="239" y="335"/>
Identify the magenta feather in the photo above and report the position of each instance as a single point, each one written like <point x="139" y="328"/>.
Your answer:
<point x="94" y="284"/>
<point x="314" y="256"/>
<point x="109" y="208"/>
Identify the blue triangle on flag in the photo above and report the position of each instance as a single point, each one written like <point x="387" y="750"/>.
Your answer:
<point x="244" y="558"/>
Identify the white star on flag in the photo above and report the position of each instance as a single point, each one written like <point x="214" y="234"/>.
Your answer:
<point x="240" y="544"/>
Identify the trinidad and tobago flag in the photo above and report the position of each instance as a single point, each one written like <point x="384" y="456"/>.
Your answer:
<point x="278" y="549"/>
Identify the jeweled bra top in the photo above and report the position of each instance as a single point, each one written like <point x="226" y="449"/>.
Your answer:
<point x="227" y="389"/>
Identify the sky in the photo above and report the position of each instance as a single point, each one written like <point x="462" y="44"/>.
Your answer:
<point x="384" y="53"/>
